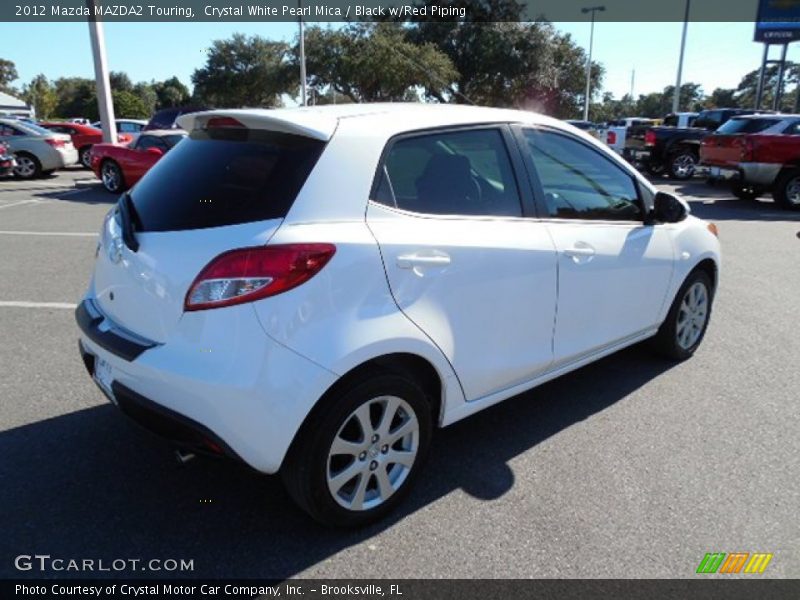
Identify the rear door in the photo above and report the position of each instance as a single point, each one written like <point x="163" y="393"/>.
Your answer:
<point x="464" y="260"/>
<point x="613" y="270"/>
<point x="217" y="190"/>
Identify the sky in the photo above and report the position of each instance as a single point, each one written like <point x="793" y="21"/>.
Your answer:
<point x="717" y="54"/>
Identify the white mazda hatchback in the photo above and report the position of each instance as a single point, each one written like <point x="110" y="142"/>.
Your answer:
<point x="314" y="291"/>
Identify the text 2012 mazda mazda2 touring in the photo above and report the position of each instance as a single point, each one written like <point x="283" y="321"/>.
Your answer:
<point x="313" y="291"/>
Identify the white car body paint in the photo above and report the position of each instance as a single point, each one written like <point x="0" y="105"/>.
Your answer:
<point x="494" y="305"/>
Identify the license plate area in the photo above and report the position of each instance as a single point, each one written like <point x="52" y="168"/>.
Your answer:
<point x="103" y="376"/>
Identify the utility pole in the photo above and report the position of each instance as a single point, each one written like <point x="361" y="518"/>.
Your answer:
<point x="592" y="10"/>
<point x="676" y="99"/>
<point x="105" y="105"/>
<point x="633" y="78"/>
<point x="303" y="94"/>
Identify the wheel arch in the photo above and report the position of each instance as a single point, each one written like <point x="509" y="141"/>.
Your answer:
<point x="419" y="368"/>
<point x="710" y="268"/>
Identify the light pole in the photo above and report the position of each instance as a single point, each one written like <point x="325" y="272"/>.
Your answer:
<point x="589" y="9"/>
<point x="302" y="56"/>
<point x="676" y="99"/>
<point x="104" y="103"/>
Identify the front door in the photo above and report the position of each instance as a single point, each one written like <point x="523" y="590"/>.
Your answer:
<point x="462" y="261"/>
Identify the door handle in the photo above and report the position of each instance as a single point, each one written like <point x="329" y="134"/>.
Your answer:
<point x="579" y="250"/>
<point x="409" y="261"/>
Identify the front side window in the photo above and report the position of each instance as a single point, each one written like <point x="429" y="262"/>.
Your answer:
<point x="579" y="182"/>
<point x="748" y="125"/>
<point x="450" y="173"/>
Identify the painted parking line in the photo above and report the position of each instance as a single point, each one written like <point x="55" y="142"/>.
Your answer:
<point x="32" y="201"/>
<point x="19" y="304"/>
<point x="51" y="233"/>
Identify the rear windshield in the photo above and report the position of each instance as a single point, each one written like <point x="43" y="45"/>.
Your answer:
<point x="746" y="126"/>
<point x="224" y="177"/>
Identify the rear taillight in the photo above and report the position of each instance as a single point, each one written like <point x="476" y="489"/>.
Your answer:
<point x="55" y="143"/>
<point x="611" y="138"/>
<point x="650" y="138"/>
<point x="249" y="274"/>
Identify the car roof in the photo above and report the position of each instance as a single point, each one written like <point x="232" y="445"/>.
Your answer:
<point x="320" y="122"/>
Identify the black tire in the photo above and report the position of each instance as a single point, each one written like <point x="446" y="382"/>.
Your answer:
<point x="306" y="468"/>
<point x="683" y="164"/>
<point x="656" y="169"/>
<point x="787" y="190"/>
<point x="111" y="176"/>
<point x="666" y="340"/>
<point x="85" y="157"/>
<point x="28" y="166"/>
<point x="746" y="192"/>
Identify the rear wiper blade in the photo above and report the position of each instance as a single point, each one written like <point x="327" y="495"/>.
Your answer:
<point x="127" y="213"/>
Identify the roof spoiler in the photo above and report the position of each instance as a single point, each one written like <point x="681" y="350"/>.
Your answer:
<point x="305" y="123"/>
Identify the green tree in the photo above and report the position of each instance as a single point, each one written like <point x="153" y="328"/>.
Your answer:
<point x="8" y="73"/>
<point x="722" y="98"/>
<point x="520" y="64"/>
<point x="146" y="92"/>
<point x="747" y="89"/>
<point x="75" y="96"/>
<point x="246" y="71"/>
<point x="120" y="82"/>
<point x="171" y="92"/>
<point x="374" y="62"/>
<point x="40" y="94"/>
<point x="126" y="105"/>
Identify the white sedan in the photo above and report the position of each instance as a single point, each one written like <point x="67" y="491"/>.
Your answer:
<point x="314" y="291"/>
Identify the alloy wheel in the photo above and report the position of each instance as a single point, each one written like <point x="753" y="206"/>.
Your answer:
<point x="793" y="191"/>
<point x="110" y="176"/>
<point x="683" y="166"/>
<point x="25" y="166"/>
<point x="372" y="453"/>
<point x="692" y="315"/>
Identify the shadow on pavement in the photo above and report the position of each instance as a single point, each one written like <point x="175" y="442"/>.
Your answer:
<point x="91" y="485"/>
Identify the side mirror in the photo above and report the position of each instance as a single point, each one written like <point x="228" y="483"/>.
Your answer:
<point x="155" y="151"/>
<point x="667" y="209"/>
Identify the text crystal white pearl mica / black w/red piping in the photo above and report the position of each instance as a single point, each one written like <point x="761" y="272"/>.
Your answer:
<point x="314" y="291"/>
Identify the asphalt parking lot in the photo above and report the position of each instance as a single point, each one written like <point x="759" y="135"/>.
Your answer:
<point x="630" y="467"/>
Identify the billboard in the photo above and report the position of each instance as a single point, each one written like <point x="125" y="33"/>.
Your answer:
<point x="778" y="21"/>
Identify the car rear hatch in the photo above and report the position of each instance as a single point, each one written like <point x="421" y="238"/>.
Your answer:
<point x="228" y="185"/>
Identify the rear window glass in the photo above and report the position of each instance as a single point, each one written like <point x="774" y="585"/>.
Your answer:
<point x="224" y="177"/>
<point x="746" y="126"/>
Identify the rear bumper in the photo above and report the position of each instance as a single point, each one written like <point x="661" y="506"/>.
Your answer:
<point x="219" y="384"/>
<point x="763" y="174"/>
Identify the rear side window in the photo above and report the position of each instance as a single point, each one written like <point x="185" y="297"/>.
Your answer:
<point x="450" y="173"/>
<point x="224" y="177"/>
<point x="746" y="126"/>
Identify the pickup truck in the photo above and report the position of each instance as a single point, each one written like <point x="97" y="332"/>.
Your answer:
<point x="675" y="150"/>
<point x="767" y="160"/>
<point x="617" y="131"/>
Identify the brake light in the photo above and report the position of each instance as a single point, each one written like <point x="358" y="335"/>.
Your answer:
<point x="650" y="138"/>
<point x="611" y="138"/>
<point x="56" y="143"/>
<point x="249" y="274"/>
<point x="223" y="123"/>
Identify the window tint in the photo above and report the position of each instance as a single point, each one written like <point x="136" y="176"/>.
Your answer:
<point x="130" y="127"/>
<point x="746" y="125"/>
<point x="580" y="183"/>
<point x="671" y="121"/>
<point x="793" y="129"/>
<point x="150" y="141"/>
<point x="452" y="173"/>
<point x="224" y="177"/>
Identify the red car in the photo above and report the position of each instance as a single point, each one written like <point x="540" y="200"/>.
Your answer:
<point x="119" y="166"/>
<point x="83" y="137"/>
